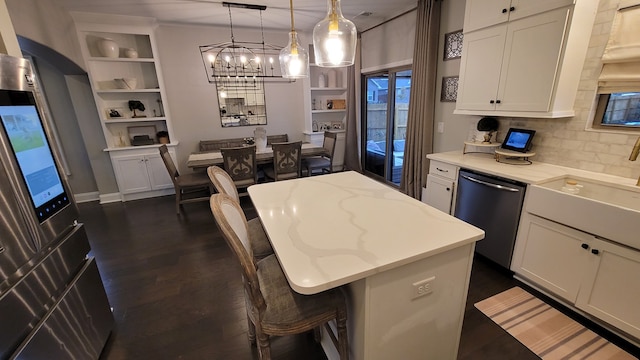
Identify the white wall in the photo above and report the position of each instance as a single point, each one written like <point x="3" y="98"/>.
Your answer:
<point x="456" y="127"/>
<point x="46" y="23"/>
<point x="193" y="102"/>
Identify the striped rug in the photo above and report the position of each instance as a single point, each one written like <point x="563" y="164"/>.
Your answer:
<point x="544" y="330"/>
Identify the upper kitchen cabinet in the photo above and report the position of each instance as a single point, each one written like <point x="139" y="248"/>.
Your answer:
<point x="482" y="13"/>
<point x="527" y="65"/>
<point x="120" y="56"/>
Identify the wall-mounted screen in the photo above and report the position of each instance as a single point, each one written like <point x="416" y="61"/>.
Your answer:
<point x="23" y="127"/>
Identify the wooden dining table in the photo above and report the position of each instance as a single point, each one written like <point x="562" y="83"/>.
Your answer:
<point x="205" y="159"/>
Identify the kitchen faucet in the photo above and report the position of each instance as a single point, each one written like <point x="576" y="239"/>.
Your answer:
<point x="634" y="155"/>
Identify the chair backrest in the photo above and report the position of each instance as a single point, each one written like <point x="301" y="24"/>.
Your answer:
<point x="272" y="139"/>
<point x="287" y="160"/>
<point x="329" y="143"/>
<point x="223" y="182"/>
<point x="233" y="226"/>
<point x="240" y="164"/>
<point x="168" y="163"/>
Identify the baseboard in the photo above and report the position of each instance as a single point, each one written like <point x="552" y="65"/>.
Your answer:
<point x="87" y="197"/>
<point x="110" y="198"/>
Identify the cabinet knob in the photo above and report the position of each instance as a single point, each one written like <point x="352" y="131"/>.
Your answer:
<point x="504" y="11"/>
<point x="491" y="101"/>
<point x="585" y="246"/>
<point x="498" y="101"/>
<point x="513" y="8"/>
<point x="442" y="170"/>
<point x="448" y="189"/>
<point x="595" y="251"/>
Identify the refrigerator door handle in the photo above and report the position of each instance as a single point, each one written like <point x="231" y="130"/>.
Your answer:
<point x="495" y="186"/>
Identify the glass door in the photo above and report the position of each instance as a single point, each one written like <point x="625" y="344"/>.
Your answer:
<point x="377" y="92"/>
<point x="386" y="123"/>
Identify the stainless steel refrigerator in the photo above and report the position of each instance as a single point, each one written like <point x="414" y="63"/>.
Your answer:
<point x="52" y="301"/>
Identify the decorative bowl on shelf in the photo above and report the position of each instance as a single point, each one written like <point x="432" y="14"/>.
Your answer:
<point x="126" y="83"/>
<point x="131" y="53"/>
<point x="109" y="48"/>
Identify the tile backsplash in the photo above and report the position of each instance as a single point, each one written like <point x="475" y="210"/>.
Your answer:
<point x="565" y="141"/>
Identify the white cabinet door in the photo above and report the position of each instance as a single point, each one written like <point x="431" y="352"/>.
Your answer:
<point x="483" y="13"/>
<point x="439" y="193"/>
<point x="552" y="255"/>
<point x="512" y="67"/>
<point x="158" y="175"/>
<point x="612" y="286"/>
<point x="480" y="69"/>
<point x="530" y="62"/>
<point x="131" y="173"/>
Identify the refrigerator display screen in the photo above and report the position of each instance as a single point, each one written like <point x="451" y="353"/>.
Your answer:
<point x="23" y="127"/>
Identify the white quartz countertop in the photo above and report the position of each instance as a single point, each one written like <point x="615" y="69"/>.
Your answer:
<point x="530" y="174"/>
<point x="334" y="229"/>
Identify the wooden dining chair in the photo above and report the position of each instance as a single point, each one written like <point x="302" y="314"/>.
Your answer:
<point x="323" y="163"/>
<point x="223" y="183"/>
<point x="240" y="164"/>
<point x="274" y="309"/>
<point x="189" y="188"/>
<point x="287" y="161"/>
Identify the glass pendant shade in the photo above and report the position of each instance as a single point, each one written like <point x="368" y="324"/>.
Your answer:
<point x="334" y="39"/>
<point x="294" y="59"/>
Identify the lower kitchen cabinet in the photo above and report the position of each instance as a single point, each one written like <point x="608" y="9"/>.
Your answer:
<point x="597" y="276"/>
<point x="551" y="255"/>
<point x="440" y="186"/>
<point x="611" y="286"/>
<point x="142" y="173"/>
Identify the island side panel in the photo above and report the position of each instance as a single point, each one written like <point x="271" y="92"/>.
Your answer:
<point x="387" y="322"/>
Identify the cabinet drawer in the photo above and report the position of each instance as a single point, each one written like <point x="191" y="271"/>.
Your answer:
<point x="443" y="169"/>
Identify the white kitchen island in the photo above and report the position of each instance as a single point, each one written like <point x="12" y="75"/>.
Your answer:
<point x="345" y="229"/>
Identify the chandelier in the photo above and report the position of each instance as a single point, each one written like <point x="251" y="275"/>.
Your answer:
<point x="242" y="63"/>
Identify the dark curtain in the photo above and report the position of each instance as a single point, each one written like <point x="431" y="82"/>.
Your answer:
<point x="419" y="139"/>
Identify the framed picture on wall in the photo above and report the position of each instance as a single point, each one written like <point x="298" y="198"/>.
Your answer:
<point x="453" y="45"/>
<point x="449" y="89"/>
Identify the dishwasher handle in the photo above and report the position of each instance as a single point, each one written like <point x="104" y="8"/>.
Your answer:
<point x="496" y="186"/>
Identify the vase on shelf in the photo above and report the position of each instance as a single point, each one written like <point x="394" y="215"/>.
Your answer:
<point x="321" y="81"/>
<point x="260" y="137"/>
<point x="108" y="48"/>
<point x="131" y="53"/>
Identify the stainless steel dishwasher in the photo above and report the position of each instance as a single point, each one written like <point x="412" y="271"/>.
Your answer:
<point x="492" y="204"/>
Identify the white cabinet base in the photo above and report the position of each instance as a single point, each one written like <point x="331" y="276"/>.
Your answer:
<point x="387" y="322"/>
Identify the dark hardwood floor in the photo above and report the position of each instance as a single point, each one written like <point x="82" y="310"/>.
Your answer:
<point x="176" y="290"/>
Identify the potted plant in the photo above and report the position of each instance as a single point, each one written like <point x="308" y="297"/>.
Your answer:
<point x="163" y="137"/>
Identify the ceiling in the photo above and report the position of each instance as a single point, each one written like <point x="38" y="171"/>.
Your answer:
<point x="364" y="13"/>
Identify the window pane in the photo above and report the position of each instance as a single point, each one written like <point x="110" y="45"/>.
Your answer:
<point x="622" y="109"/>
<point x="376" y="118"/>
<point x="403" y="90"/>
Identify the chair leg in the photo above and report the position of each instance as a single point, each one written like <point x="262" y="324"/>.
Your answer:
<point x="178" y="199"/>
<point x="264" y="347"/>
<point x="251" y="331"/>
<point x="341" y="322"/>
<point x="317" y="334"/>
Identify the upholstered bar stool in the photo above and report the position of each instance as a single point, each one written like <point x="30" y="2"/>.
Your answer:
<point x="274" y="309"/>
<point x="260" y="245"/>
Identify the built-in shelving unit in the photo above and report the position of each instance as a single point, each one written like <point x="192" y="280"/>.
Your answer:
<point x="133" y="73"/>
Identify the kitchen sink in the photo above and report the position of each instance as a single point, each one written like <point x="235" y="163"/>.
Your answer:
<point x="608" y="193"/>
<point x="604" y="209"/>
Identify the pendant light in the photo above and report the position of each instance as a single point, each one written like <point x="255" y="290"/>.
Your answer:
<point x="294" y="60"/>
<point x="334" y="39"/>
